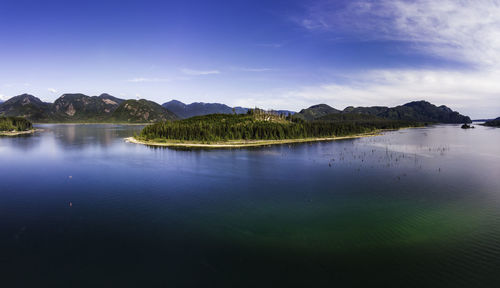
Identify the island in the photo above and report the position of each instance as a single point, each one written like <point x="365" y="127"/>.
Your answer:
<point x="13" y="126"/>
<point x="467" y="126"/>
<point x="258" y="127"/>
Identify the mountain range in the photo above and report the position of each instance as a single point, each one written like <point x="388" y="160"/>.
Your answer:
<point x="418" y="111"/>
<point x="106" y="108"/>
<point x="83" y="108"/>
<point x="199" y="109"/>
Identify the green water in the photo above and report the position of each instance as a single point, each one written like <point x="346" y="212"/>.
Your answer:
<point x="410" y="208"/>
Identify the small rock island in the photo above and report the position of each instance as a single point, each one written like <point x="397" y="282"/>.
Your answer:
<point x="467" y="126"/>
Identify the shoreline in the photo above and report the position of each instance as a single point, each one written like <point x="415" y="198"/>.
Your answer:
<point x="246" y="143"/>
<point x="17" y="133"/>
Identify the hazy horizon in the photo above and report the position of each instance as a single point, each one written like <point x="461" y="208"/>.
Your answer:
<point x="270" y="54"/>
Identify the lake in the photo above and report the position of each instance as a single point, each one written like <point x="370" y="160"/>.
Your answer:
<point x="80" y="207"/>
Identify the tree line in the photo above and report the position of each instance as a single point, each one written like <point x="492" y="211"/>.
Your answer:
<point x="223" y="127"/>
<point x="14" y="124"/>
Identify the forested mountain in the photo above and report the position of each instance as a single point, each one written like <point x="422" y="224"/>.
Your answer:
<point x="316" y="111"/>
<point x="80" y="107"/>
<point x="87" y="109"/>
<point x="26" y="105"/>
<point x="141" y="111"/>
<point x="106" y="108"/>
<point x="199" y="109"/>
<point x="420" y="111"/>
<point x="349" y="117"/>
<point x="493" y="123"/>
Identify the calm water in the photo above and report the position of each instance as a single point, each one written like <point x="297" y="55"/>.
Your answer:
<point x="80" y="207"/>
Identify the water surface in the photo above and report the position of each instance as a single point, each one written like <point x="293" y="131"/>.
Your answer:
<point x="79" y="207"/>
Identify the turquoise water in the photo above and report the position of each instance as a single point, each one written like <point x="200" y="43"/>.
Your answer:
<point x="80" y="207"/>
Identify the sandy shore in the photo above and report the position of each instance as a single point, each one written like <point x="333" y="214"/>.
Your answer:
<point x="243" y="143"/>
<point x="16" y="133"/>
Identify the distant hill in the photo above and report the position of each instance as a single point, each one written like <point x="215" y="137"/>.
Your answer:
<point x="347" y="117"/>
<point x="196" y="109"/>
<point x="199" y="109"/>
<point x="241" y="110"/>
<point x="316" y="111"/>
<point x="419" y="111"/>
<point x="80" y="107"/>
<point x="107" y="108"/>
<point x="26" y="105"/>
<point x="493" y="123"/>
<point x="141" y="111"/>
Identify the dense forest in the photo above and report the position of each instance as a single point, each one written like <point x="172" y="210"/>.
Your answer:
<point x="259" y="125"/>
<point x="14" y="124"/>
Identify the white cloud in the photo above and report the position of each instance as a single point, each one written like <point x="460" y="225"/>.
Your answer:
<point x="464" y="31"/>
<point x="52" y="90"/>
<point x="199" y="72"/>
<point x="472" y="93"/>
<point x="467" y="30"/>
<point x="2" y="97"/>
<point x="142" y="80"/>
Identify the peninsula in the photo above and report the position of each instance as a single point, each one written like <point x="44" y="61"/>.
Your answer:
<point x="12" y="126"/>
<point x="260" y="128"/>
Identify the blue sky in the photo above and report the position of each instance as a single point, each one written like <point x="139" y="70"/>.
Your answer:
<point x="270" y="54"/>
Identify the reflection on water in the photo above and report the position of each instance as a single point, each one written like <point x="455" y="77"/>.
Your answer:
<point x="415" y="207"/>
<point x="92" y="134"/>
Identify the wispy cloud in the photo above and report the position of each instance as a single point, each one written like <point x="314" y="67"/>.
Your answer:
<point x="465" y="30"/>
<point x="249" y="69"/>
<point x="194" y="72"/>
<point x="52" y="90"/>
<point x="471" y="93"/>
<point x="142" y="80"/>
